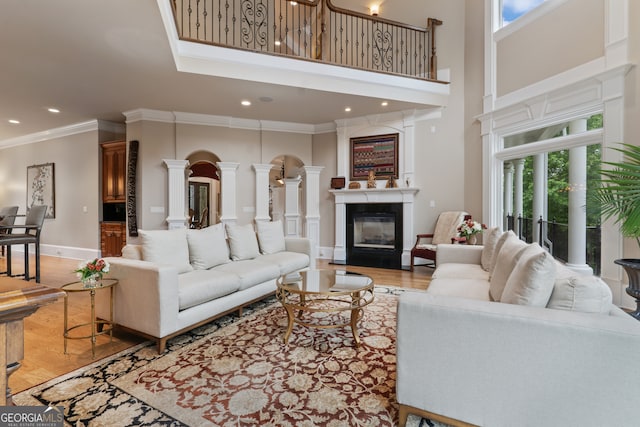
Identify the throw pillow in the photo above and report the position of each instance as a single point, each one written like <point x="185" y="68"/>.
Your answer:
<point x="489" y="241"/>
<point x="494" y="257"/>
<point x="532" y="279"/>
<point x="506" y="260"/>
<point x="207" y="247"/>
<point x="588" y="294"/>
<point x="242" y="242"/>
<point x="168" y="247"/>
<point x="270" y="237"/>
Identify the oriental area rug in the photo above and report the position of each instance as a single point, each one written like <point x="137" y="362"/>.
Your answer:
<point x="238" y="372"/>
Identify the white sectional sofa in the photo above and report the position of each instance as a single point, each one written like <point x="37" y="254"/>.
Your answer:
<point x="176" y="280"/>
<point x="507" y="336"/>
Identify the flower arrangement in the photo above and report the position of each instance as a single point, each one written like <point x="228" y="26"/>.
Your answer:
<point x="470" y="228"/>
<point x="92" y="269"/>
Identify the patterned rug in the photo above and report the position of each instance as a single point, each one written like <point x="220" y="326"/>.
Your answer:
<point x="239" y="372"/>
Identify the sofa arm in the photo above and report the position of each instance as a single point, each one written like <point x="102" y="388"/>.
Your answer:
<point x="145" y="298"/>
<point x="301" y="245"/>
<point x="496" y="364"/>
<point x="461" y="254"/>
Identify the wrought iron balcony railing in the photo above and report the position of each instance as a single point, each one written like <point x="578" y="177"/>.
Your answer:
<point x="314" y="30"/>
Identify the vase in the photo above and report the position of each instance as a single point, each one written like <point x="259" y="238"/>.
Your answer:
<point x="632" y="267"/>
<point x="472" y="240"/>
<point x="91" y="281"/>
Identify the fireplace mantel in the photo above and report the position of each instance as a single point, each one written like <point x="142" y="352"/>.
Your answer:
<point x="404" y="195"/>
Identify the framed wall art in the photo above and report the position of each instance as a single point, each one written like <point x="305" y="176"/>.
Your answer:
<point x="378" y="153"/>
<point x="41" y="187"/>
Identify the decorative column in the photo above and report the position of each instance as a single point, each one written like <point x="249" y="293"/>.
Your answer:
<point x="291" y="207"/>
<point x="262" y="191"/>
<point x="177" y="193"/>
<point x="228" y="171"/>
<point x="508" y="193"/>
<point x="312" y="198"/>
<point x="577" y="256"/>
<point x="517" y="202"/>
<point x="539" y="192"/>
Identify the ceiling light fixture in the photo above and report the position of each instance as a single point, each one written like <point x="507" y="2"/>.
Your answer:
<point x="347" y="109"/>
<point x="53" y="110"/>
<point x="246" y="103"/>
<point x="293" y="3"/>
<point x="384" y="103"/>
<point x="375" y="9"/>
<point x="278" y="43"/>
<point x="14" y="121"/>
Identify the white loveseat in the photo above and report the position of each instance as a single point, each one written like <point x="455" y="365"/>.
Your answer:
<point x="179" y="279"/>
<point x="507" y="336"/>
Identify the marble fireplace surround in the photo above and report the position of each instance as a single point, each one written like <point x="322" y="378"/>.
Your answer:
<point x="404" y="195"/>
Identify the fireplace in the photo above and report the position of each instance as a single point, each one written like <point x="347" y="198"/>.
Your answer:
<point x="374" y="234"/>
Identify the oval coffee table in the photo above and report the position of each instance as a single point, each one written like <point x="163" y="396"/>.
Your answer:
<point x="324" y="291"/>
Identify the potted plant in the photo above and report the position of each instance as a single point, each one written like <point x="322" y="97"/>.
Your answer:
<point x="619" y="198"/>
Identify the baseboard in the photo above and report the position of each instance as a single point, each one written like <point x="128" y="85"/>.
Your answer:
<point x="59" y="251"/>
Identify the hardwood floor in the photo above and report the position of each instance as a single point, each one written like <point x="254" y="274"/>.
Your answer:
<point x="44" y="355"/>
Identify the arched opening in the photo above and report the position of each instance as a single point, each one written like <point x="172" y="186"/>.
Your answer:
<point x="286" y="167"/>
<point x="203" y="192"/>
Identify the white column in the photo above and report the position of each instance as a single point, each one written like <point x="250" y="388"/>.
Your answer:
<point x="577" y="257"/>
<point x="508" y="192"/>
<point x="291" y="207"/>
<point x="177" y="217"/>
<point x="539" y="192"/>
<point x="312" y="197"/>
<point x="262" y="191"/>
<point x="228" y="170"/>
<point x="517" y="202"/>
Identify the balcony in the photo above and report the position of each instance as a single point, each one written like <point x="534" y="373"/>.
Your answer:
<point x="309" y="44"/>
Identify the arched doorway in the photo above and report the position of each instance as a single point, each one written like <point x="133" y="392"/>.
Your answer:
<point x="203" y="192"/>
<point x="286" y="167"/>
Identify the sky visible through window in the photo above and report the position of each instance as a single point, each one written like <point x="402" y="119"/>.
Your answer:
<point x="513" y="9"/>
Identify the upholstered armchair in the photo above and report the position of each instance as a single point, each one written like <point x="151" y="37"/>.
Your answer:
<point x="445" y="231"/>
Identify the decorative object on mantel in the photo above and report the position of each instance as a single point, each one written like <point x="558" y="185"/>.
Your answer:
<point x="391" y="183"/>
<point x="469" y="230"/>
<point x="374" y="153"/>
<point x="371" y="181"/>
<point x="354" y="185"/>
<point x="338" y="182"/>
<point x="131" y="189"/>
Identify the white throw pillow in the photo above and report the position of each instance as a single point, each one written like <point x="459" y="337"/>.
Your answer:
<point x="207" y="247"/>
<point x="271" y="237"/>
<point x="494" y="257"/>
<point x="168" y="247"/>
<point x="506" y="260"/>
<point x="588" y="294"/>
<point x="489" y="242"/>
<point x="242" y="242"/>
<point x="532" y="279"/>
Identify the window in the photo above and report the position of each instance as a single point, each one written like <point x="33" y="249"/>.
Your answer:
<point x="510" y="10"/>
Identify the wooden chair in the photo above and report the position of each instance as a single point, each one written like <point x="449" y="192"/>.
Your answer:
<point x="444" y="232"/>
<point x="32" y="228"/>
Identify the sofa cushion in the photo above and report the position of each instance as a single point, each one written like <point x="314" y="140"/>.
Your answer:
<point x="506" y="260"/>
<point x="199" y="286"/>
<point x="251" y="272"/>
<point x="494" y="257"/>
<point x="489" y="242"/>
<point x="588" y="294"/>
<point x="532" y="279"/>
<point x="477" y="289"/>
<point x="242" y="242"/>
<point x="452" y="270"/>
<point x="207" y="247"/>
<point x="287" y="262"/>
<point x="270" y="237"/>
<point x="167" y="247"/>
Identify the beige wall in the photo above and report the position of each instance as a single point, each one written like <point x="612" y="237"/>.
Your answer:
<point x="556" y="42"/>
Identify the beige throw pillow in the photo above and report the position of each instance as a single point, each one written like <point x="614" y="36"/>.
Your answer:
<point x="207" y="247"/>
<point x="588" y="294"/>
<point x="242" y="242"/>
<point x="271" y="237"/>
<point x="496" y="250"/>
<point x="166" y="247"/>
<point x="489" y="242"/>
<point x="531" y="281"/>
<point x="506" y="260"/>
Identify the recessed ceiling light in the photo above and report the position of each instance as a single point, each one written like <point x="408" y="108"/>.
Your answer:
<point x="347" y="109"/>
<point x="53" y="110"/>
<point x="246" y="103"/>
<point x="14" y="121"/>
<point x="384" y="103"/>
<point x="278" y="43"/>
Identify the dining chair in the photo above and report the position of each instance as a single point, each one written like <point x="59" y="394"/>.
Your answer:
<point x="32" y="228"/>
<point x="7" y="217"/>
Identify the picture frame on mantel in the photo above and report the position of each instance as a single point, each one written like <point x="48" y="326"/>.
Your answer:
<point x="41" y="187"/>
<point x="378" y="153"/>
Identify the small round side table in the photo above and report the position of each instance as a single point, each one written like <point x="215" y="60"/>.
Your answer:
<point x="81" y="287"/>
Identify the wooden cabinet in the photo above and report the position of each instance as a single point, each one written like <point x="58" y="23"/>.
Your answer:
<point x="113" y="237"/>
<point x="114" y="172"/>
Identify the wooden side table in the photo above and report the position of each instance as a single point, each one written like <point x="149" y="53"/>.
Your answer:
<point x="94" y="323"/>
